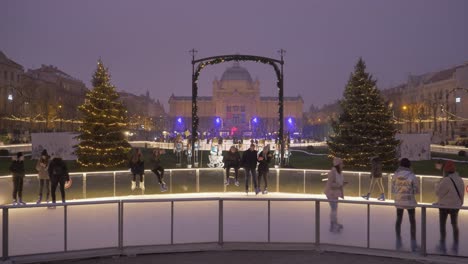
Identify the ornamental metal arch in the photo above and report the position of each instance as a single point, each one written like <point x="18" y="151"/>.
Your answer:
<point x="199" y="64"/>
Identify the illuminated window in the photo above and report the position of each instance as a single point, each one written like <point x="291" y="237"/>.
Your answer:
<point x="458" y="99"/>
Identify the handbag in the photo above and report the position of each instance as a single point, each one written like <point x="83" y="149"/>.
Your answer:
<point x="456" y="189"/>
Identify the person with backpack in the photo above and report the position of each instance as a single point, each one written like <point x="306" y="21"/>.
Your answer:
<point x="450" y="196"/>
<point x="58" y="174"/>
<point x="17" y="170"/>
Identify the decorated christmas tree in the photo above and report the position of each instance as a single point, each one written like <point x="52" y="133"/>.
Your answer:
<point x="102" y="140"/>
<point x="365" y="127"/>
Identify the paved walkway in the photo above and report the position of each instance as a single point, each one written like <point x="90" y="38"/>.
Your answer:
<point x="262" y="257"/>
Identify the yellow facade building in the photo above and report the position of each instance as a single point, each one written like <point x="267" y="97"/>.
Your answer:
<point x="236" y="109"/>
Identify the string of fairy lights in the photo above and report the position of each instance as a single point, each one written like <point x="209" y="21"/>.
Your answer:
<point x="102" y="139"/>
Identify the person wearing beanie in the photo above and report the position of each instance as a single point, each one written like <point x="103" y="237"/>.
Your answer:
<point x="450" y="197"/>
<point x="405" y="186"/>
<point x="43" y="175"/>
<point x="17" y="170"/>
<point x="333" y="191"/>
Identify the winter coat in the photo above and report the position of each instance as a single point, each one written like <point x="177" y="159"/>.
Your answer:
<point x="334" y="187"/>
<point x="376" y="169"/>
<point x="17" y="168"/>
<point x="155" y="162"/>
<point x="405" y="186"/>
<point x="137" y="167"/>
<point x="446" y="193"/>
<point x="232" y="159"/>
<point x="58" y="170"/>
<point x="263" y="165"/>
<point x="249" y="159"/>
<point x="42" y="166"/>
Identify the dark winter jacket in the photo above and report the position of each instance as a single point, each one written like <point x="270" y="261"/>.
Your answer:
<point x="17" y="168"/>
<point x="58" y="170"/>
<point x="155" y="162"/>
<point x="137" y="167"/>
<point x="232" y="159"/>
<point x="264" y="164"/>
<point x="249" y="159"/>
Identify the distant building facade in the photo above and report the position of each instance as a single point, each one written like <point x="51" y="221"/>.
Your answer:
<point x="146" y="115"/>
<point x="47" y="99"/>
<point x="434" y="103"/>
<point x="10" y="81"/>
<point x="236" y="109"/>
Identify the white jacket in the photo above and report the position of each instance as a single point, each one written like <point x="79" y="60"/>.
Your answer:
<point x="404" y="187"/>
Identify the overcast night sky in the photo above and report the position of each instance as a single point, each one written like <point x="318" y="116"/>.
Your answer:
<point x="145" y="44"/>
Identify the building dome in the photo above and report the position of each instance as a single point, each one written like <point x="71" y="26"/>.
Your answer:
<point x="236" y="72"/>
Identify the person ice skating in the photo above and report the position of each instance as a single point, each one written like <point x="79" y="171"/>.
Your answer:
<point x="42" y="166"/>
<point x="232" y="160"/>
<point x="333" y="191"/>
<point x="158" y="170"/>
<point x="450" y="195"/>
<point x="264" y="159"/>
<point x="376" y="178"/>
<point x="17" y="170"/>
<point x="249" y="162"/>
<point x="58" y="174"/>
<point x="405" y="186"/>
<point x="137" y="167"/>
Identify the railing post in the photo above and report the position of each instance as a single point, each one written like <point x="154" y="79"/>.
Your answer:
<point x="170" y="181"/>
<point x="317" y="223"/>
<point x="84" y="185"/>
<point x="120" y="231"/>
<point x="304" y="181"/>
<point x="172" y="222"/>
<point x="368" y="225"/>
<point x="277" y="180"/>
<point x="420" y="189"/>
<point x="220" y="223"/>
<point x="114" y="183"/>
<point x="359" y="179"/>
<point x="197" y="179"/>
<point x="5" y="234"/>
<point x="423" y="231"/>
<point x="65" y="227"/>
<point x="269" y="219"/>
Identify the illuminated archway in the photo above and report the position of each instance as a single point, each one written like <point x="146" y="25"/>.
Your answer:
<point x="200" y="64"/>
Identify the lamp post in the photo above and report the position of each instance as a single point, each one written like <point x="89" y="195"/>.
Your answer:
<point x="60" y="116"/>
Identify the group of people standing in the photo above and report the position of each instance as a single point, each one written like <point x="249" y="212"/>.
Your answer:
<point x="250" y="158"/>
<point x="449" y="191"/>
<point x="51" y="172"/>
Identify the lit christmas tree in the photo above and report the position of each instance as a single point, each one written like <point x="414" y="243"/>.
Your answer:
<point x="365" y="127"/>
<point x="102" y="140"/>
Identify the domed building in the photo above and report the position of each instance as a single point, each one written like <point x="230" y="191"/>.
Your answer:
<point x="236" y="109"/>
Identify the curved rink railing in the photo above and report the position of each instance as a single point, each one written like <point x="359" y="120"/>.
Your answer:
<point x="117" y="183"/>
<point x="126" y="226"/>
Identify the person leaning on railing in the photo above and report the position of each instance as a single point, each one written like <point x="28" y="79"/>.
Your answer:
<point x="333" y="191"/>
<point x="404" y="187"/>
<point x="450" y="194"/>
